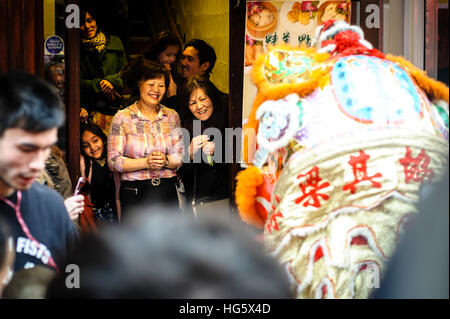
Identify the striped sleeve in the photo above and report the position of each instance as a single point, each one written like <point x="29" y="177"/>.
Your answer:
<point x="176" y="150"/>
<point x="116" y="142"/>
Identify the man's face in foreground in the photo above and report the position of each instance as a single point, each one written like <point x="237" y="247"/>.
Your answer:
<point x="23" y="156"/>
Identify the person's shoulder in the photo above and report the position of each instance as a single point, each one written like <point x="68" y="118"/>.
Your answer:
<point x="122" y="119"/>
<point x="42" y="196"/>
<point x="43" y="193"/>
<point x="47" y="207"/>
<point x="170" y="112"/>
<point x="115" y="43"/>
<point x="125" y="113"/>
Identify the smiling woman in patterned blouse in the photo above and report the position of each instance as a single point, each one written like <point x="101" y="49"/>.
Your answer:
<point x="145" y="140"/>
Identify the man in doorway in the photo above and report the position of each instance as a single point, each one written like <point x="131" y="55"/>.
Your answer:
<point x="198" y="59"/>
<point x="55" y="74"/>
<point x="31" y="113"/>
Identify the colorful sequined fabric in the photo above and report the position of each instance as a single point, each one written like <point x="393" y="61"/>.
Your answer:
<point x="287" y="67"/>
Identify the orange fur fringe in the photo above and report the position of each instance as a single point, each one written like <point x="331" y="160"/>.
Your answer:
<point x="435" y="89"/>
<point x="270" y="91"/>
<point x="247" y="182"/>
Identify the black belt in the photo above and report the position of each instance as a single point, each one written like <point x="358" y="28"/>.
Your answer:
<point x="153" y="181"/>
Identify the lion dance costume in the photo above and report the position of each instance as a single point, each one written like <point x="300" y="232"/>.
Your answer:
<point x="344" y="138"/>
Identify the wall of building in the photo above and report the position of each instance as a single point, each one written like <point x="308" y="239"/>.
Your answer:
<point x="209" y="21"/>
<point x="393" y="27"/>
<point x="49" y="18"/>
<point x="403" y="29"/>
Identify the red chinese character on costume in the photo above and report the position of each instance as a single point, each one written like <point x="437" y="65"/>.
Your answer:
<point x="272" y="223"/>
<point x="312" y="196"/>
<point x="416" y="169"/>
<point x="359" y="164"/>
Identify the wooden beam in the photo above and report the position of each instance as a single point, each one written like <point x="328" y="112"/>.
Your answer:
<point x="21" y="46"/>
<point x="237" y="33"/>
<point x="431" y="37"/>
<point x="72" y="99"/>
<point x="354" y="12"/>
<point x="39" y="38"/>
<point x="14" y="30"/>
<point x="372" y="34"/>
<point x="4" y="21"/>
<point x="28" y="21"/>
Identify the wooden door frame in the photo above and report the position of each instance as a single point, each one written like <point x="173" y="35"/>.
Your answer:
<point x="373" y="35"/>
<point x="431" y="37"/>
<point x="236" y="82"/>
<point x="72" y="99"/>
<point x="22" y="25"/>
<point x="22" y="47"/>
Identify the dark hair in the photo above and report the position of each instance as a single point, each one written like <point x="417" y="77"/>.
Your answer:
<point x="143" y="69"/>
<point x="28" y="103"/>
<point x="168" y="255"/>
<point x="161" y="42"/>
<point x="218" y="118"/>
<point x="206" y="53"/>
<point x="96" y="130"/>
<point x="88" y="6"/>
<point x="57" y="60"/>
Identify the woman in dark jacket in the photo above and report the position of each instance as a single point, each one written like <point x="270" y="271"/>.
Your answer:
<point x="205" y="116"/>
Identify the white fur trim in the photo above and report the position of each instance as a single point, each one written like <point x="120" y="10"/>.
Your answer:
<point x="330" y="289"/>
<point x="288" y="103"/>
<point x="337" y="25"/>
<point x="321" y="243"/>
<point x="355" y="271"/>
<point x="336" y="28"/>
<point x="328" y="49"/>
<point x="264" y="203"/>
<point x="290" y="276"/>
<point x="366" y="43"/>
<point x="369" y="235"/>
<point x="318" y="31"/>
<point x="401" y="225"/>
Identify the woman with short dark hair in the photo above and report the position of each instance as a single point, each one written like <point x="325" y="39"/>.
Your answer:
<point x="145" y="140"/>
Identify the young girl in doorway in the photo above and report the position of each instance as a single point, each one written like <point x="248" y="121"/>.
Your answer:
<point x="94" y="168"/>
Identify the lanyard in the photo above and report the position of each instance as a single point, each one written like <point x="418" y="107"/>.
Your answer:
<point x="24" y="226"/>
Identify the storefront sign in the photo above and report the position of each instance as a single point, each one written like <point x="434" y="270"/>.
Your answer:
<point x="54" y="45"/>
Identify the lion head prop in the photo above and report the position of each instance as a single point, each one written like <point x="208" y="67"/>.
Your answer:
<point x="344" y="138"/>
